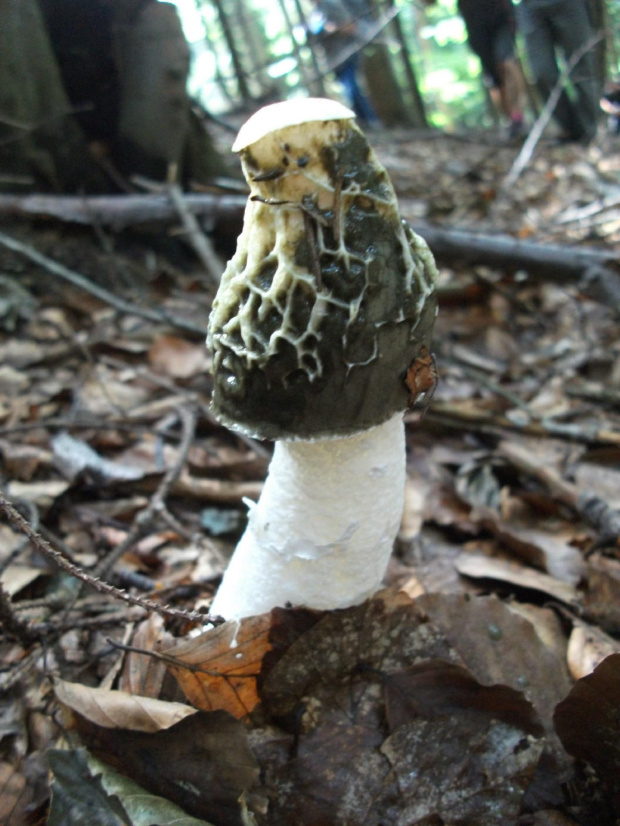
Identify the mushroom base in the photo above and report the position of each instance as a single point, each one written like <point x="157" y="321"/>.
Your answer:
<point x="322" y="532"/>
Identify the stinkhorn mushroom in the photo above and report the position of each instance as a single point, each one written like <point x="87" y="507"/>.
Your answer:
<point x="323" y="314"/>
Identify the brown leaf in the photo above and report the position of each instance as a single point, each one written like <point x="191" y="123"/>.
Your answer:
<point x="588" y="722"/>
<point x="143" y="674"/>
<point x="203" y="763"/>
<point x="498" y="645"/>
<point x="218" y="669"/>
<point x="436" y="689"/>
<point x="486" y="567"/>
<point x="177" y="357"/>
<point x="588" y="646"/>
<point x="118" y="710"/>
<point x="379" y="636"/>
<point x="339" y="763"/>
<point x="14" y="796"/>
<point x="543" y="548"/>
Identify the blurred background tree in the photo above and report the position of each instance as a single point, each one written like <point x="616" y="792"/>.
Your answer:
<point x="133" y="83"/>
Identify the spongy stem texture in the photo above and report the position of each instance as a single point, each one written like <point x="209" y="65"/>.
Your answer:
<point x="323" y="529"/>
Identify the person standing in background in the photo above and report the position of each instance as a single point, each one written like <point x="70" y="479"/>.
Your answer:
<point x="491" y="29"/>
<point x="549" y="25"/>
<point x="339" y="26"/>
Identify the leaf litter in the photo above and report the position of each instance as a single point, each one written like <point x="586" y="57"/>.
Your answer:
<point x="481" y="687"/>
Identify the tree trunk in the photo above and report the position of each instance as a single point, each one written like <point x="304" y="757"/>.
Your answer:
<point x="383" y="88"/>
<point x="41" y="145"/>
<point x="154" y="105"/>
<point x="418" y="109"/>
<point x="317" y="83"/>
<point x="599" y="18"/>
<point x="235" y="56"/>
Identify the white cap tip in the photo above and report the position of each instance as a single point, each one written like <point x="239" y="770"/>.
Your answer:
<point x="288" y="113"/>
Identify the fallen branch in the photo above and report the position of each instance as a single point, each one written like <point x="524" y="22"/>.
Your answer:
<point x="505" y="252"/>
<point x="120" y="211"/>
<point x="443" y="414"/>
<point x="448" y="245"/>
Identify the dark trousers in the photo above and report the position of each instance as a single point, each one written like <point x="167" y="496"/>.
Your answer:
<point x="548" y="25"/>
<point x="347" y="75"/>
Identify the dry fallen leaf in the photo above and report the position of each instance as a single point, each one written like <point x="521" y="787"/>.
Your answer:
<point x="588" y="646"/>
<point x="14" y="796"/>
<point x="177" y="357"/>
<point x="118" y="710"/>
<point x="588" y="723"/>
<point x="500" y="646"/>
<point x="364" y="736"/>
<point x="486" y="567"/>
<point x="143" y="674"/>
<point x="202" y="763"/>
<point x="218" y="669"/>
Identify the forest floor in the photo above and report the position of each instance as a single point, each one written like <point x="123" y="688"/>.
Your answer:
<point x="481" y="687"/>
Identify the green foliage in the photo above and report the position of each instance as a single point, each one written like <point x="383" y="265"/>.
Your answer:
<point x="448" y="73"/>
<point x="450" y="81"/>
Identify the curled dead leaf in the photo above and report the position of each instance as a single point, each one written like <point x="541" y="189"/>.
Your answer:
<point x="218" y="669"/>
<point x="588" y="723"/>
<point x="118" y="710"/>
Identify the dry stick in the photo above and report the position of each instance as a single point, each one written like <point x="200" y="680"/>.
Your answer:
<point x="14" y="625"/>
<point x="524" y="156"/>
<point x="157" y="504"/>
<point x="94" y="289"/>
<point x="199" y="241"/>
<point x="526" y="461"/>
<point x="120" y="211"/>
<point x="20" y="668"/>
<point x="88" y="623"/>
<point x="574" y="214"/>
<point x="103" y="587"/>
<point x="447" y="415"/>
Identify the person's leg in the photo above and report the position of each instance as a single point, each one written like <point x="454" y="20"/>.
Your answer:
<point x="511" y="94"/>
<point x="347" y="75"/>
<point x="512" y="84"/>
<point x="573" y="32"/>
<point x="538" y="35"/>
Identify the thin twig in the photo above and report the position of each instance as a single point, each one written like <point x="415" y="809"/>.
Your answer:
<point x="158" y="502"/>
<point x="18" y="669"/>
<point x="88" y="623"/>
<point x="103" y="587"/>
<point x="453" y="416"/>
<point x="174" y="662"/>
<point x="14" y="625"/>
<point x="200" y="243"/>
<point x="94" y="289"/>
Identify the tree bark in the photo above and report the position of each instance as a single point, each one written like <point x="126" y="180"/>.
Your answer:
<point x="41" y="145"/>
<point x="154" y="105"/>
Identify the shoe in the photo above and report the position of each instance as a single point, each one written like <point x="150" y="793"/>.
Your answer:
<point x="516" y="130"/>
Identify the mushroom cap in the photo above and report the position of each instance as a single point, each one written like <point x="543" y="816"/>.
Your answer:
<point x="288" y="113"/>
<point x="330" y="296"/>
